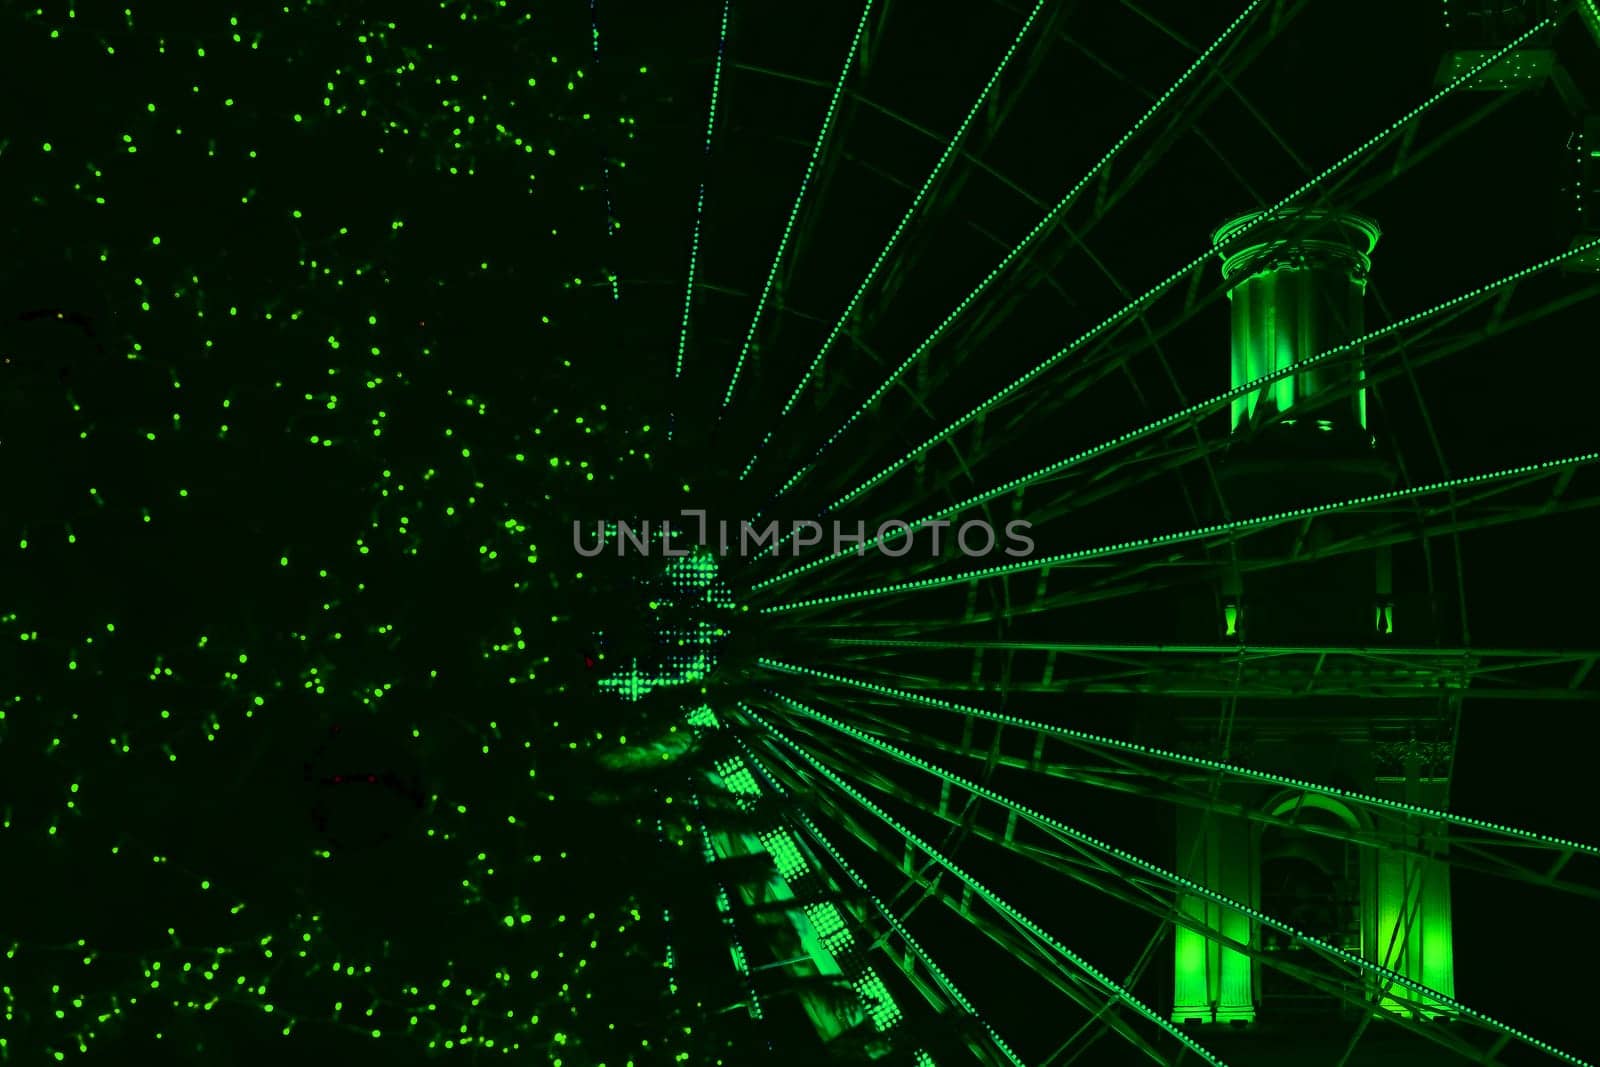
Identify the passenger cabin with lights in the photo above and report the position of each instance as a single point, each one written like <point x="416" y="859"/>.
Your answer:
<point x="1585" y="145"/>
<point x="1498" y="44"/>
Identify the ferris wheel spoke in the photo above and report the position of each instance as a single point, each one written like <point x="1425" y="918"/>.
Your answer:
<point x="799" y="200"/>
<point x="1085" y="976"/>
<point x="1044" y="225"/>
<point x="1276" y="210"/>
<point x="700" y="206"/>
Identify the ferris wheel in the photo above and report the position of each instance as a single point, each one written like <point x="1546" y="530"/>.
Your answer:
<point x="1079" y="512"/>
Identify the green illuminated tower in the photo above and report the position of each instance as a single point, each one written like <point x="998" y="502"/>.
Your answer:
<point x="1296" y="288"/>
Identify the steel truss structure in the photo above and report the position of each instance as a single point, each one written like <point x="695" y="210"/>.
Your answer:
<point x="911" y="738"/>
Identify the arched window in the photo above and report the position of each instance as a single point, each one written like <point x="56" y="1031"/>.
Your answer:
<point x="1314" y="882"/>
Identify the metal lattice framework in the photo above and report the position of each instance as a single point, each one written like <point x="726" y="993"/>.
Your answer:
<point x="908" y="738"/>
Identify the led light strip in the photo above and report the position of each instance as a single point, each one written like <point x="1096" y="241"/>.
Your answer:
<point x="1137" y="544"/>
<point x="700" y="197"/>
<point x="794" y="210"/>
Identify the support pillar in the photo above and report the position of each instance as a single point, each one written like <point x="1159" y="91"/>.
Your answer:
<point x="1211" y="982"/>
<point x="1409" y="927"/>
